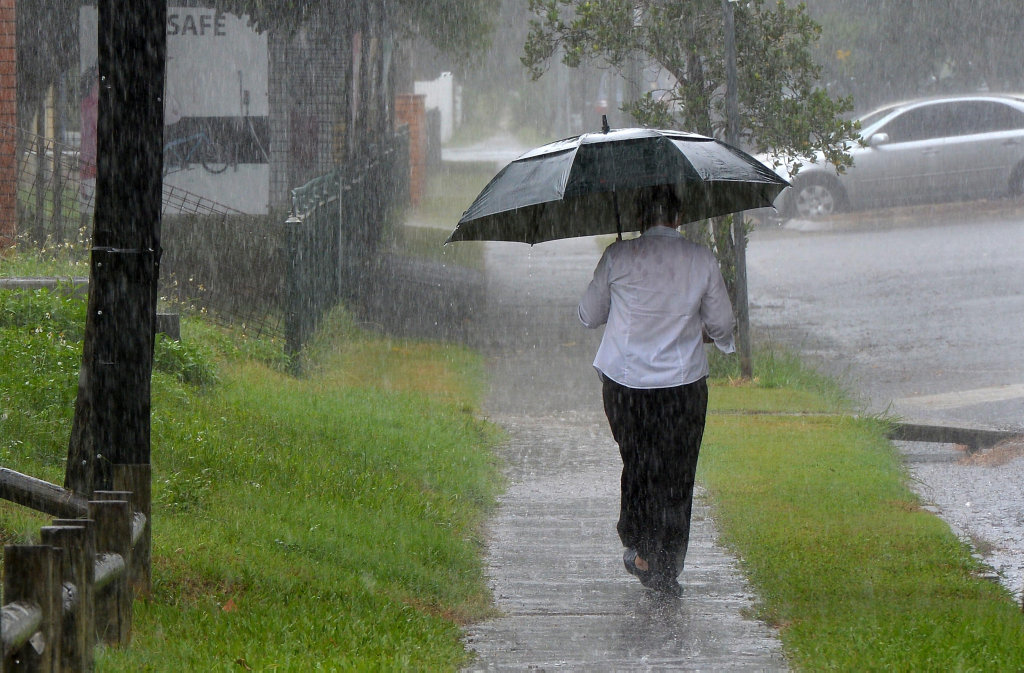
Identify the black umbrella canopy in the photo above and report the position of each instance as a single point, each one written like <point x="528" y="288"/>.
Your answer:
<point x="588" y="185"/>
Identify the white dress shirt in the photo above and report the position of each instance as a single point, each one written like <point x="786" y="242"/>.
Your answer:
<point x="657" y="293"/>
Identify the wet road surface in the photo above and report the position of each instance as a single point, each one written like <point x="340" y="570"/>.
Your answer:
<point x="918" y="310"/>
<point x="554" y="558"/>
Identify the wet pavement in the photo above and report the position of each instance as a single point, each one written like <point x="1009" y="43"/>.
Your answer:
<point x="554" y="560"/>
<point x="918" y="309"/>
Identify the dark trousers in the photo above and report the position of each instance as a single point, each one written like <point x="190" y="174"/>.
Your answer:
<point x="659" y="432"/>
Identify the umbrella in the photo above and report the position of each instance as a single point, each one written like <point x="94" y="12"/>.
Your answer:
<point x="575" y="187"/>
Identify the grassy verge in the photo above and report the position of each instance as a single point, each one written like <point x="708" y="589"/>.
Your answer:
<point x="856" y="575"/>
<point x="329" y="522"/>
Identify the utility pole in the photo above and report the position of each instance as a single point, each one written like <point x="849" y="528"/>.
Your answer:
<point x="112" y="412"/>
<point x="739" y="229"/>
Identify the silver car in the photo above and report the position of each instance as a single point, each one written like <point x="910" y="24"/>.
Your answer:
<point x="942" y="149"/>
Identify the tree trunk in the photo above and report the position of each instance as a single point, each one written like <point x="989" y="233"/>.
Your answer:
<point x="112" y="413"/>
<point x="739" y="230"/>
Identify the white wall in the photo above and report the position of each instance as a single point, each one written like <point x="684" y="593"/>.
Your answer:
<point x="215" y="62"/>
<point x="440" y="93"/>
<point x="217" y="67"/>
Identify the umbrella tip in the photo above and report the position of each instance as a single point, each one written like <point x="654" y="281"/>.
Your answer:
<point x="604" y="124"/>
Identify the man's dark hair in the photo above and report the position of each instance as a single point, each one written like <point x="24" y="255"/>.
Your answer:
<point x="657" y="205"/>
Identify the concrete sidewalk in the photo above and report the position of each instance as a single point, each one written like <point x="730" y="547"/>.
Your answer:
<point x="554" y="559"/>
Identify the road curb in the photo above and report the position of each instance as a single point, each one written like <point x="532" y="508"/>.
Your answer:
<point x="975" y="439"/>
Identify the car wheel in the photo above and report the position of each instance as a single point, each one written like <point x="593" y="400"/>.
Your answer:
<point x="816" y="197"/>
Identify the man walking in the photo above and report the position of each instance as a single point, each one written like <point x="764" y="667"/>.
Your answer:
<point x="661" y="297"/>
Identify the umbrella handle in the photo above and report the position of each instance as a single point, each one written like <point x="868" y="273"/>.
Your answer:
<point x="618" y="221"/>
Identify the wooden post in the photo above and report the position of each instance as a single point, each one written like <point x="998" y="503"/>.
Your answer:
<point x="32" y="578"/>
<point x="137" y="479"/>
<point x="113" y="603"/>
<point x="169" y="324"/>
<point x="79" y="561"/>
<point x="87" y="595"/>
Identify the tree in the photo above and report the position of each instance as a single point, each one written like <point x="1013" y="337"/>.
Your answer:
<point x="904" y="49"/>
<point x="783" y="108"/>
<point x="676" y="46"/>
<point x="111" y="422"/>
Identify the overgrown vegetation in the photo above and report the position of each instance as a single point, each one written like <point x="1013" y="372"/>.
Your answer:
<point x="70" y="260"/>
<point x="329" y="521"/>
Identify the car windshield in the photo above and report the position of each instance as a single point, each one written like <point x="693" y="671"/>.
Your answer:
<point x="871" y="117"/>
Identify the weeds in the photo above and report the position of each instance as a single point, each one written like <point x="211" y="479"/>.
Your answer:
<point x="52" y="311"/>
<point x="48" y="258"/>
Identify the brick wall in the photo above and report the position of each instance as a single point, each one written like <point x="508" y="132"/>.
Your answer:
<point x="411" y="109"/>
<point x="8" y="115"/>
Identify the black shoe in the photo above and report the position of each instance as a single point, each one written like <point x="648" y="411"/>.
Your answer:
<point x="665" y="585"/>
<point x="629" y="560"/>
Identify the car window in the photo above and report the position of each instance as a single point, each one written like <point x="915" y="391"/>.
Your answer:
<point x="954" y="118"/>
<point x="987" y="117"/>
<point x="920" y="123"/>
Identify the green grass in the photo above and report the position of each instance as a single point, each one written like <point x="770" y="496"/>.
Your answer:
<point x="852" y="570"/>
<point x="66" y="261"/>
<point x="333" y="521"/>
<point x="330" y="521"/>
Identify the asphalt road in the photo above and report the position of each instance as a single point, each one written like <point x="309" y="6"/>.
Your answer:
<point x="920" y="311"/>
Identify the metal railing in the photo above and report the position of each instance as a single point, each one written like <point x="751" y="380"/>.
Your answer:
<point x="334" y="232"/>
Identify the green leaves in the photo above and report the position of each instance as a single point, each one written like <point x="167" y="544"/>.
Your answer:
<point x="783" y="107"/>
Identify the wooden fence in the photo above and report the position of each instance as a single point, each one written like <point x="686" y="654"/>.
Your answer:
<point x="76" y="586"/>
